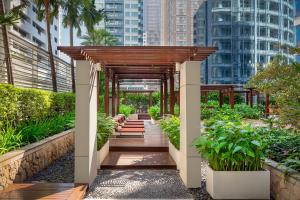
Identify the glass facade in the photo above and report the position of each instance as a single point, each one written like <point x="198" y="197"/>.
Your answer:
<point x="248" y="34"/>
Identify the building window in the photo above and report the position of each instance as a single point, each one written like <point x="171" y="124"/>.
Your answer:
<point x="55" y="39"/>
<point x="55" y="27"/>
<point x="273" y="33"/>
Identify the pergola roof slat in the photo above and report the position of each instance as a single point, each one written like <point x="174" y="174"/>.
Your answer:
<point x="138" y="61"/>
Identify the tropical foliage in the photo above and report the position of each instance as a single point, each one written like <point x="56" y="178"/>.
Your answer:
<point x="47" y="10"/>
<point x="231" y="146"/>
<point x="126" y="110"/>
<point x="105" y="129"/>
<point x="14" y="15"/>
<point x="154" y="112"/>
<point x="171" y="127"/>
<point x="281" y="81"/>
<point x="99" y="37"/>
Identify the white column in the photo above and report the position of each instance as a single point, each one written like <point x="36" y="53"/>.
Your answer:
<point x="86" y="123"/>
<point x="190" y="169"/>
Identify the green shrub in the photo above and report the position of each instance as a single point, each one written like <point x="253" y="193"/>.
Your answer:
<point x="10" y="139"/>
<point x="171" y="127"/>
<point x="137" y="100"/>
<point x="126" y="110"/>
<point x="247" y="112"/>
<point x="283" y="146"/>
<point x="105" y="128"/>
<point x="231" y="146"/>
<point x="63" y="102"/>
<point x="36" y="130"/>
<point x="154" y="112"/>
<point x="20" y="104"/>
<point x="156" y="98"/>
<point x="176" y="110"/>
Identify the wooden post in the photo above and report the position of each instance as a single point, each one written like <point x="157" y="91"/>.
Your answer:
<point x="221" y="98"/>
<point x="247" y="98"/>
<point x="98" y="91"/>
<point x="251" y="97"/>
<point x="113" y="96"/>
<point x="118" y="96"/>
<point x="106" y="93"/>
<point x="257" y="97"/>
<point x="124" y="97"/>
<point x="172" y="95"/>
<point x="161" y="98"/>
<point x="231" y="98"/>
<point x="150" y="99"/>
<point x="267" y="106"/>
<point x="165" y="95"/>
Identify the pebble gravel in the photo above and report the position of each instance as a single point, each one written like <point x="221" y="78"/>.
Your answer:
<point x="60" y="171"/>
<point x="138" y="184"/>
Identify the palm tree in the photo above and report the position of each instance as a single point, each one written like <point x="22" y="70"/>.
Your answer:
<point x="76" y="11"/>
<point x="89" y="15"/>
<point x="99" y="37"/>
<point x="48" y="9"/>
<point x="71" y="16"/>
<point x="8" y="19"/>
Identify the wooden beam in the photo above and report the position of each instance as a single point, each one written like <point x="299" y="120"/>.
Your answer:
<point x="221" y="98"/>
<point x="172" y="95"/>
<point x="118" y="96"/>
<point x="161" y="98"/>
<point x="251" y="97"/>
<point x="113" y="96"/>
<point x="106" y="93"/>
<point x="150" y="99"/>
<point x="267" y="105"/>
<point x="165" y="95"/>
<point x="231" y="98"/>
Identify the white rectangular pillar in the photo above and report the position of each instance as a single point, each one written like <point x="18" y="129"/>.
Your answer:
<point x="190" y="169"/>
<point x="86" y="123"/>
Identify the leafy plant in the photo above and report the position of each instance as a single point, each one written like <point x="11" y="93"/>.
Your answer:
<point x="231" y="146"/>
<point x="171" y="127"/>
<point x="154" y="112"/>
<point x="283" y="145"/>
<point x="105" y="128"/>
<point x="246" y="111"/>
<point x="126" y="110"/>
<point x="10" y="139"/>
<point x="282" y="81"/>
<point x="36" y="130"/>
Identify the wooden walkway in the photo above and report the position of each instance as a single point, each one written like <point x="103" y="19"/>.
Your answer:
<point x="45" y="191"/>
<point x="148" y="152"/>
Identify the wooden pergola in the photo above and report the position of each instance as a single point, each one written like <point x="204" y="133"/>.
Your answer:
<point x="138" y="62"/>
<point x="123" y="62"/>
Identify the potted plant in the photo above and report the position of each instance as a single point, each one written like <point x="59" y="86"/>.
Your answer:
<point x="235" y="155"/>
<point x="105" y="128"/>
<point x="154" y="113"/>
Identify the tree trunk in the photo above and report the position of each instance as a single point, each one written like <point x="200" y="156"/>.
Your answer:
<point x="51" y="58"/>
<point x="72" y="61"/>
<point x="7" y="58"/>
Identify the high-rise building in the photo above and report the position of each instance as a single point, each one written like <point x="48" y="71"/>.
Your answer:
<point x="152" y="22"/>
<point x="124" y="20"/>
<point x="297" y="24"/>
<point x="248" y="34"/>
<point x="177" y="21"/>
<point x="33" y="30"/>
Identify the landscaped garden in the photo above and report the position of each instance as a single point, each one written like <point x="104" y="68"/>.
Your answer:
<point x="30" y="115"/>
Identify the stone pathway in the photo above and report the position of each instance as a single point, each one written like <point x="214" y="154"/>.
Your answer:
<point x="138" y="184"/>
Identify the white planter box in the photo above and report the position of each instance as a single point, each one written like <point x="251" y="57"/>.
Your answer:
<point x="238" y="184"/>
<point x="175" y="154"/>
<point x="153" y="121"/>
<point x="102" y="153"/>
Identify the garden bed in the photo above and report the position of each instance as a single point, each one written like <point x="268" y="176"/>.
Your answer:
<point x="21" y="164"/>
<point x="283" y="186"/>
<point x="102" y="153"/>
<point x="175" y="154"/>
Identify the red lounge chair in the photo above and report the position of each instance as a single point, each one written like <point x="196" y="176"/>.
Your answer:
<point x="135" y="120"/>
<point x="133" y="126"/>
<point x="131" y="130"/>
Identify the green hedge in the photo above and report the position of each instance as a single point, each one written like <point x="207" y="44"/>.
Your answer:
<point x="21" y="104"/>
<point x="105" y="128"/>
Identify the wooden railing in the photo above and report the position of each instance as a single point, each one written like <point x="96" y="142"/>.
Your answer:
<point x="31" y="67"/>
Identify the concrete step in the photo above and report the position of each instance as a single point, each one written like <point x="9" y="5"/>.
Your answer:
<point x="138" y="160"/>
